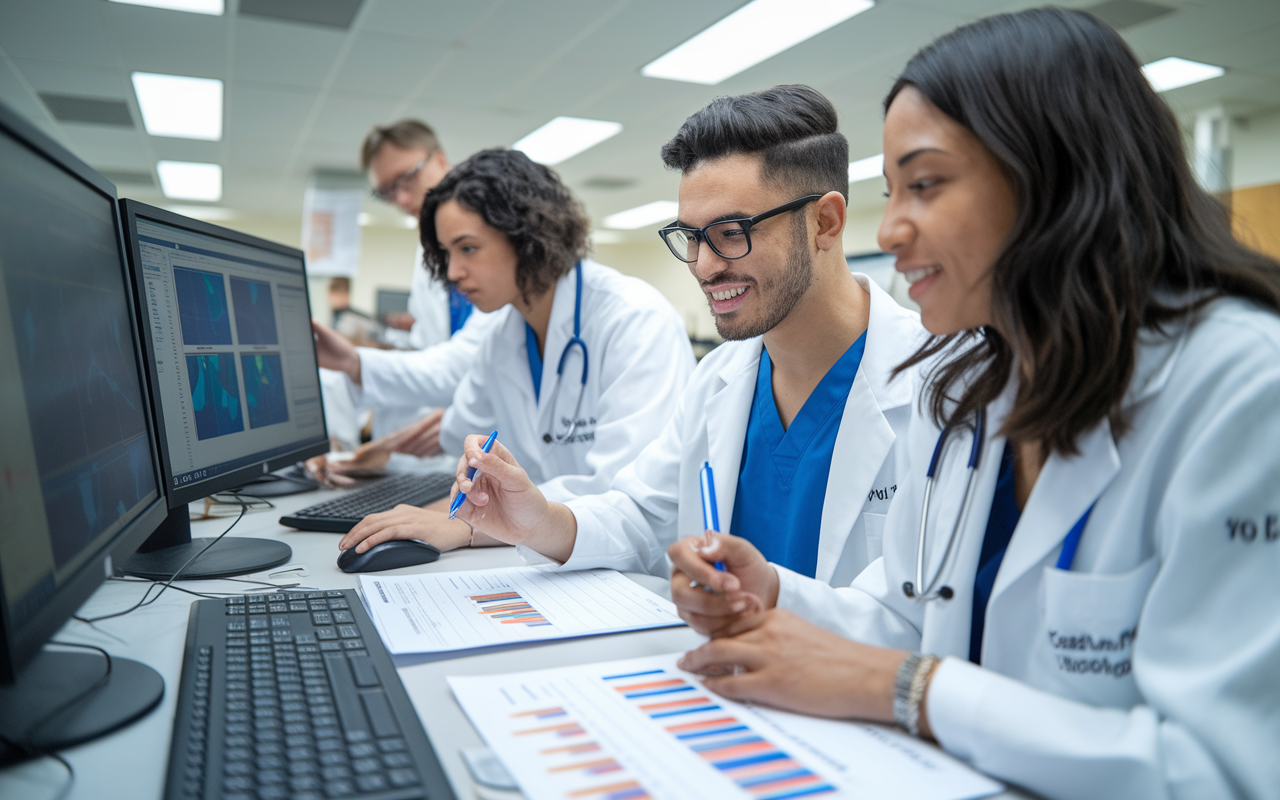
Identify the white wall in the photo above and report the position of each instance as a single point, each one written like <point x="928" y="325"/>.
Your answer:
<point x="1255" y="156"/>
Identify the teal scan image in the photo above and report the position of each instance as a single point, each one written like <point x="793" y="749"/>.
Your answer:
<point x="215" y="395"/>
<point x="202" y="307"/>
<point x="264" y="389"/>
<point x="255" y="316"/>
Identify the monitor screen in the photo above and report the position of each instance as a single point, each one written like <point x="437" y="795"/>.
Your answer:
<point x="235" y="373"/>
<point x="78" y="468"/>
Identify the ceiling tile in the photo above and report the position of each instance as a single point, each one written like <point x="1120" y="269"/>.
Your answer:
<point x="386" y="65"/>
<point x="291" y="55"/>
<point x="65" y="31"/>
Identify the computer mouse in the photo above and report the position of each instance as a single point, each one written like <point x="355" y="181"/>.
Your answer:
<point x="388" y="555"/>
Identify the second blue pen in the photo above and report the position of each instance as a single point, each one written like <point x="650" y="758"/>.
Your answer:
<point x="710" y="515"/>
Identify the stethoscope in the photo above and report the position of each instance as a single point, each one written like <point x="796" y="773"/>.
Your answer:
<point x="1069" y="545"/>
<point x="926" y="592"/>
<point x="574" y="341"/>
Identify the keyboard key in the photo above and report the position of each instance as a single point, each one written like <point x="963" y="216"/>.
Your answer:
<point x="394" y="745"/>
<point x="374" y="782"/>
<point x="343" y="616"/>
<point x="362" y="750"/>
<point x="394" y="760"/>
<point x="340" y="788"/>
<point x="403" y="777"/>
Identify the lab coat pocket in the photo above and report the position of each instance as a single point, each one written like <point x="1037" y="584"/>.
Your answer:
<point x="1090" y="623"/>
<point x="873" y="531"/>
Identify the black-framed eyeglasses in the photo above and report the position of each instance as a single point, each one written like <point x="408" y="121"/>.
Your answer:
<point x="388" y="191"/>
<point x="728" y="238"/>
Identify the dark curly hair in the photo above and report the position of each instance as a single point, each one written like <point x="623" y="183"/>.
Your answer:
<point x="1113" y="234"/>
<point x="524" y="201"/>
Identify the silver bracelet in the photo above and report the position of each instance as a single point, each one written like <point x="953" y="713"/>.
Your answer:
<point x="909" y="688"/>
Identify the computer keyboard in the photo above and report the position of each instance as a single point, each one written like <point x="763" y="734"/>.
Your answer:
<point x="293" y="696"/>
<point x="341" y="514"/>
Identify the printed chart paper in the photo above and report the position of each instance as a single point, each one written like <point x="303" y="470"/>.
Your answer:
<point x="637" y="729"/>
<point x="444" y="611"/>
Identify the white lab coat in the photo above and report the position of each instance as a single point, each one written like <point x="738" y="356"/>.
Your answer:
<point x="640" y="360"/>
<point x="658" y="499"/>
<point x="1152" y="668"/>
<point x="389" y="389"/>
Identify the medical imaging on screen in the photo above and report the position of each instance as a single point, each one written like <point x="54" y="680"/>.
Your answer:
<point x="235" y="366"/>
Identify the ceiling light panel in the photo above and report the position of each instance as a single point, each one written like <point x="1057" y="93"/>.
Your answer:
<point x="178" y="106"/>
<point x="186" y="180"/>
<point x="864" y="169"/>
<point x="640" y="216"/>
<point x="1172" y="73"/>
<point x="758" y="31"/>
<point x="211" y="7"/>
<point x="564" y="137"/>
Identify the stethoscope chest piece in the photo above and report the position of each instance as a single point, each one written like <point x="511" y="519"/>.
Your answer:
<point x="909" y="589"/>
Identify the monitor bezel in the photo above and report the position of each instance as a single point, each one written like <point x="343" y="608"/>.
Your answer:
<point x="182" y="495"/>
<point x="23" y="643"/>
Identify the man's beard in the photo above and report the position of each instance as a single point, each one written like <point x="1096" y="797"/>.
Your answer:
<point x="779" y="295"/>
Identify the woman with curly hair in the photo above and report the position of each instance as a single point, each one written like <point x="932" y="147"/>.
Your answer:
<point x="584" y="365"/>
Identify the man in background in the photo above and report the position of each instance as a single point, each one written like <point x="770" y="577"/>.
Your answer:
<point x="404" y="161"/>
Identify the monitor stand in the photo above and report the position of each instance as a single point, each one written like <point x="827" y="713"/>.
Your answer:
<point x="290" y="480"/>
<point x="171" y="545"/>
<point x="52" y="679"/>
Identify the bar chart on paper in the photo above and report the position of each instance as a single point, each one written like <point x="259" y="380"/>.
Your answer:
<point x="442" y="611"/>
<point x="645" y="729"/>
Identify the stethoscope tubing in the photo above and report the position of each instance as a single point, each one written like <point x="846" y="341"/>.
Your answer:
<point x="920" y="590"/>
<point x="575" y="340"/>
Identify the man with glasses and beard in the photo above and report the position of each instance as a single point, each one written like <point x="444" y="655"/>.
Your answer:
<point x="796" y="414"/>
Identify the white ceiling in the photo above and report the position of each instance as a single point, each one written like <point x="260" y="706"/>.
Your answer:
<point x="486" y="72"/>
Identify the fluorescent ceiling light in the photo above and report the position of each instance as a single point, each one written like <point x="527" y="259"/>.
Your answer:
<point x="1171" y="73"/>
<point x="364" y="219"/>
<point x="865" y="169"/>
<point x="173" y="105"/>
<point x="564" y="137"/>
<point x="185" y="180"/>
<point x="212" y="7"/>
<point x="208" y="213"/>
<point x="607" y="237"/>
<point x="759" y="30"/>
<point x="409" y="222"/>
<point x="647" y="214"/>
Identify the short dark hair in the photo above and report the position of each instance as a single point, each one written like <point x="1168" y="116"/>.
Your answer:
<point x="407" y="134"/>
<point x="793" y="128"/>
<point x="524" y="201"/>
<point x="1112" y="233"/>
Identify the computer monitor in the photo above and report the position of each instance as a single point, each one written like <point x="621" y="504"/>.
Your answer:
<point x="233" y="371"/>
<point x="390" y="301"/>
<point x="79" y="472"/>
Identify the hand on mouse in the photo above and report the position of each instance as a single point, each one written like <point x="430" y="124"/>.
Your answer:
<point x="407" y="522"/>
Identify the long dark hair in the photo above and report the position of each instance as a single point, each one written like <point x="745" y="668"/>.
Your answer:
<point x="524" y="201"/>
<point x="1112" y="233"/>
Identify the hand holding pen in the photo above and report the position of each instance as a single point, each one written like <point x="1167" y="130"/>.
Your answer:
<point x="472" y="471"/>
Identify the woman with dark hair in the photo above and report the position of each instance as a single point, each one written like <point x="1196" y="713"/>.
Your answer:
<point x="1078" y="590"/>
<point x="511" y="237"/>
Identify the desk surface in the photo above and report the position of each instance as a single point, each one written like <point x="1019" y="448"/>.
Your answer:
<point x="132" y="762"/>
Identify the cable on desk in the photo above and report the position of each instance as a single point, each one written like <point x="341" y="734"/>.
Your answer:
<point x="24" y="743"/>
<point x="145" y="601"/>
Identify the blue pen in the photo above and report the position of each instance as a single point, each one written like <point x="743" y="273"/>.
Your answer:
<point x="471" y="475"/>
<point x="710" y="516"/>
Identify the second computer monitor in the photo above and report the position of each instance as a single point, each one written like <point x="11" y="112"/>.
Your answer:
<point x="233" y="369"/>
<point x="234" y="364"/>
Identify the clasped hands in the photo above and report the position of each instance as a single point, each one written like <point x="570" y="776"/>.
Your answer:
<point x="781" y="659"/>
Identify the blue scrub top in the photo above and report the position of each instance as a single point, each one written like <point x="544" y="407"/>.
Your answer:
<point x="535" y="359"/>
<point x="459" y="309"/>
<point x="1000" y="524"/>
<point x="782" y="482"/>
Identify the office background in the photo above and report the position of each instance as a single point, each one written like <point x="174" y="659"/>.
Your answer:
<point x="304" y="81"/>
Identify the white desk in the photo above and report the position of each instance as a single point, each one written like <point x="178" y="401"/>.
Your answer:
<point x="132" y="762"/>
